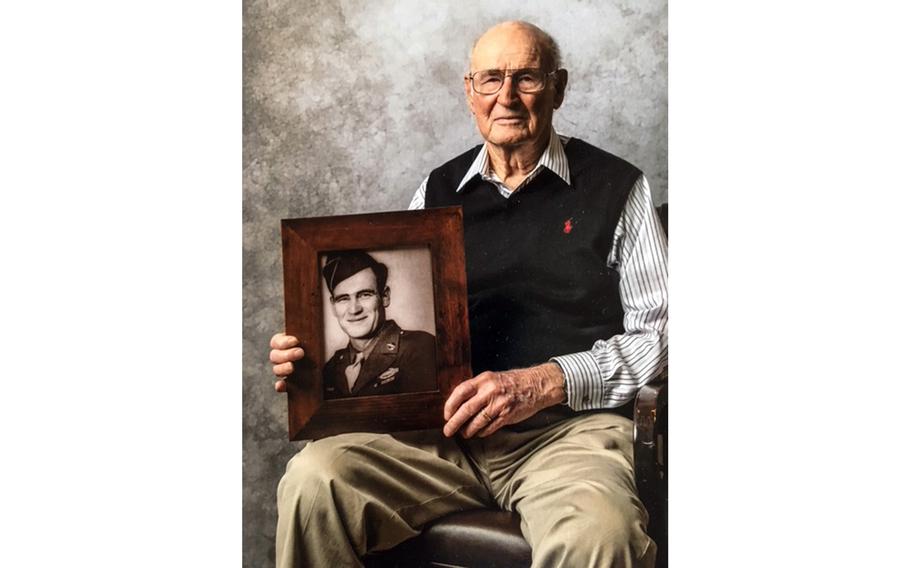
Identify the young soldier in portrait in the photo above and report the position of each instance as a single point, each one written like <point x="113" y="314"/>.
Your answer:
<point x="380" y="357"/>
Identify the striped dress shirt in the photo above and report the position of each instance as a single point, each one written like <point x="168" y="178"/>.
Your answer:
<point x="611" y="372"/>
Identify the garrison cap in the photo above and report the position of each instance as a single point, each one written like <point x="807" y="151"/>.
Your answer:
<point x="342" y="265"/>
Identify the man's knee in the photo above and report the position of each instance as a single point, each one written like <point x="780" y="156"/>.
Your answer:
<point x="317" y="466"/>
<point x="307" y="499"/>
<point x="604" y="532"/>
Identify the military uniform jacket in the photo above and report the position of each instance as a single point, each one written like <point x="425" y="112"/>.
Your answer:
<point x="401" y="362"/>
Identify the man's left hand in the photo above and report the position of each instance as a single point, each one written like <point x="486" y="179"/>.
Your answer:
<point x="489" y="401"/>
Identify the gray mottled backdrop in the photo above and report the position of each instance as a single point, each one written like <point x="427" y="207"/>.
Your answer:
<point x="348" y="105"/>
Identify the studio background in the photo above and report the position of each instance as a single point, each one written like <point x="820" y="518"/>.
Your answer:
<point x="347" y="106"/>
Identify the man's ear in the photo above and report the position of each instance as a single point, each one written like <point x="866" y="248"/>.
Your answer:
<point x="560" y="82"/>
<point x="386" y="297"/>
<point x="467" y="94"/>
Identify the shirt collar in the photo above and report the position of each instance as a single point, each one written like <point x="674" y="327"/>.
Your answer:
<point x="553" y="158"/>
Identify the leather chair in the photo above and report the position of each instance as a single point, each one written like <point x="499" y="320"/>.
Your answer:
<point x="488" y="538"/>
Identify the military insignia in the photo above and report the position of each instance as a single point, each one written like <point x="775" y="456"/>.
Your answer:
<point x="390" y="346"/>
<point x="387" y="376"/>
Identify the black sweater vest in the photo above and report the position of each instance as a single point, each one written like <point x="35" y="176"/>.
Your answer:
<point x="538" y="280"/>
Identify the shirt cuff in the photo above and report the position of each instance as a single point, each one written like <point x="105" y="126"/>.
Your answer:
<point x="584" y="389"/>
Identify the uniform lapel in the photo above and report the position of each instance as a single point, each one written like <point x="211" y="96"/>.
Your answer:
<point x="341" y="363"/>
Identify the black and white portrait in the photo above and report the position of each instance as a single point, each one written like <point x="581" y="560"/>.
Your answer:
<point x="379" y="322"/>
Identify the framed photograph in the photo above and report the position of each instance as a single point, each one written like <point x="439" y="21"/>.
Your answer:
<point x="379" y="303"/>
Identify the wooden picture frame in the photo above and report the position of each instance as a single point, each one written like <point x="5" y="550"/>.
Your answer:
<point x="308" y="245"/>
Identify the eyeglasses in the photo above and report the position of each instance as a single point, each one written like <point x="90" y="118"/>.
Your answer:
<point x="490" y="81"/>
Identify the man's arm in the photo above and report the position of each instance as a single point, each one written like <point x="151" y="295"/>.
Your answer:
<point x="420" y="196"/>
<point x="418" y="361"/>
<point x="612" y="371"/>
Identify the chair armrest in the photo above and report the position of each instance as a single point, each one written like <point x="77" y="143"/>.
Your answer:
<point x="650" y="411"/>
<point x="650" y="447"/>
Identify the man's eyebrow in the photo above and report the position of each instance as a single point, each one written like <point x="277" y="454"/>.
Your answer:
<point x="357" y="292"/>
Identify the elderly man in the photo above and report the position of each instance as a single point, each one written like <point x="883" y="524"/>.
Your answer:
<point x="567" y="294"/>
<point x="380" y="358"/>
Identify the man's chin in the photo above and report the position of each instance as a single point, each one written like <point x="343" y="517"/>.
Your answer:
<point x="508" y="137"/>
<point x="361" y="334"/>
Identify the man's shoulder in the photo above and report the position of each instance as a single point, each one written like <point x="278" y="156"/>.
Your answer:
<point x="392" y="329"/>
<point x="441" y="186"/>
<point x="416" y="337"/>
<point x="405" y="338"/>
<point x="459" y="163"/>
<point x="416" y="346"/>
<point x="582" y="154"/>
<point x="335" y="360"/>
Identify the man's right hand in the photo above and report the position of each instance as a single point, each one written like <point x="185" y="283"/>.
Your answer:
<point x="284" y="352"/>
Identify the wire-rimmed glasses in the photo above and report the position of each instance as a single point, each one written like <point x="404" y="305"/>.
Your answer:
<point x="528" y="81"/>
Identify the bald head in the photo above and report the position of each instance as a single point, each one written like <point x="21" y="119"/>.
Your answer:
<point x="521" y="85"/>
<point x="544" y="42"/>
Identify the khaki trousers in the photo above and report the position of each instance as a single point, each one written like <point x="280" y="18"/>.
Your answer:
<point x="571" y="482"/>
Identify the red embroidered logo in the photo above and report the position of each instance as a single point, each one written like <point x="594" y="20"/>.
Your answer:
<point x="567" y="228"/>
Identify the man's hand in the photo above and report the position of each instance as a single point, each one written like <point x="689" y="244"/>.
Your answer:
<point x="283" y="354"/>
<point x="489" y="401"/>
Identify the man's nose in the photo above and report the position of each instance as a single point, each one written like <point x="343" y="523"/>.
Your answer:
<point x="355" y="306"/>
<point x="507" y="93"/>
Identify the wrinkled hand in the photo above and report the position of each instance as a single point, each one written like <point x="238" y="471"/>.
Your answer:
<point x="283" y="354"/>
<point x="489" y="401"/>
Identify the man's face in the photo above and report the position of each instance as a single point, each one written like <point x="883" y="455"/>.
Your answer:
<point x="359" y="305"/>
<point x="510" y="118"/>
